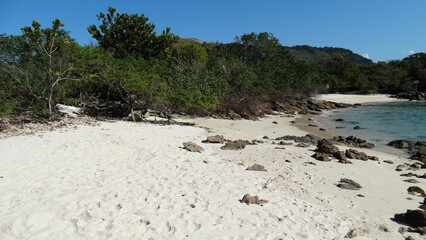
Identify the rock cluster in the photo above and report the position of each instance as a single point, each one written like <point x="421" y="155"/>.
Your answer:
<point x="354" y="141"/>
<point x="304" y="106"/>
<point x="411" y="96"/>
<point x="308" y="139"/>
<point x="418" y="149"/>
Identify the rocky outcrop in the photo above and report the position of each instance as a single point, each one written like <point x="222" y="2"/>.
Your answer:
<point x="305" y="106"/>
<point x="354" y="154"/>
<point x="341" y="157"/>
<point x="411" y="96"/>
<point x="325" y="146"/>
<point x="308" y="138"/>
<point x="414" y="189"/>
<point x="401" y="144"/>
<point x="354" y="141"/>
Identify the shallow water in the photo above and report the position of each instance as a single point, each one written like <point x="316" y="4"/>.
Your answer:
<point x="380" y="123"/>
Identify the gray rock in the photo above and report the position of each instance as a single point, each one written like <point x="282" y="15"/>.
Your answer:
<point x="401" y="167"/>
<point x="325" y="146"/>
<point x="234" y="145"/>
<point x="401" y="144"/>
<point x="214" y="139"/>
<point x="354" y="154"/>
<point x="192" y="147"/>
<point x="348" y="184"/>
<point x="412" y="180"/>
<point x="321" y="157"/>
<point x="256" y="167"/>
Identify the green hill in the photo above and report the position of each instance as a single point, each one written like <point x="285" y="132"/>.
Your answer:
<point x="321" y="54"/>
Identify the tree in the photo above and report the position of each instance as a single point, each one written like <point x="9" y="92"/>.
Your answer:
<point x="126" y="35"/>
<point x="51" y="43"/>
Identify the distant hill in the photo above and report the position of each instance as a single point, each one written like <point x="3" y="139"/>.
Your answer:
<point x="191" y="40"/>
<point x="310" y="54"/>
<point x="321" y="54"/>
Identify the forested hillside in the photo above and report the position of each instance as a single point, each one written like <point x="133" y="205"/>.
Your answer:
<point x="134" y="67"/>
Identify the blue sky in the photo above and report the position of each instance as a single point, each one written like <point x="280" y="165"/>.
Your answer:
<point x="383" y="29"/>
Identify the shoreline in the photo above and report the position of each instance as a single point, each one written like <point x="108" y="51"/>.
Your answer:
<point x="135" y="180"/>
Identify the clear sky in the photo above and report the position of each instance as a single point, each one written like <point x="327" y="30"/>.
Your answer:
<point x="381" y="29"/>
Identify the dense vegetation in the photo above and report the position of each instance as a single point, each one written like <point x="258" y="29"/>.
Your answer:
<point x="133" y="67"/>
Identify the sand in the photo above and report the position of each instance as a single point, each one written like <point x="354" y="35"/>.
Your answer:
<point x="123" y="180"/>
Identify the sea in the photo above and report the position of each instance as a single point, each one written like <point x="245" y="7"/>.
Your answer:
<point x="379" y="123"/>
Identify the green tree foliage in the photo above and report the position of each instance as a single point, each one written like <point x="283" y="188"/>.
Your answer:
<point x="126" y="35"/>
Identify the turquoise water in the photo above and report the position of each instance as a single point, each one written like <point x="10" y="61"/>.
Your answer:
<point x="380" y="123"/>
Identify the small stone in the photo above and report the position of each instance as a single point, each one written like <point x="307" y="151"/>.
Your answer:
<point x="388" y="161"/>
<point x="357" y="127"/>
<point x="374" y="158"/>
<point x="275" y="122"/>
<point x="311" y="163"/>
<point x="256" y="167"/>
<point x="340" y="120"/>
<point x="360" y="195"/>
<point x="192" y="147"/>
<point x="247" y="199"/>
<point x="312" y="125"/>
<point x="321" y="157"/>
<point x="383" y="228"/>
<point x="411" y="180"/>
<point x="215" y="139"/>
<point x="193" y="205"/>
<point x="409" y="238"/>
<point x="322" y="129"/>
<point x="402" y="230"/>
<point x="234" y="145"/>
<point x="265" y="137"/>
<point x="359" y="232"/>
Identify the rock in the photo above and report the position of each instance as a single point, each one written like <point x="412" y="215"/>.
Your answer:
<point x="414" y="189"/>
<point x="69" y="110"/>
<point x="341" y="157"/>
<point x="247" y="199"/>
<point x="348" y="184"/>
<point x="402" y="230"/>
<point x="412" y="180"/>
<point x="192" y="147"/>
<point x="374" y="158"/>
<point x="265" y="137"/>
<point x="340" y="120"/>
<point x="303" y="145"/>
<point x="409" y="238"/>
<point x="312" y="125"/>
<point x="325" y="146"/>
<point x="275" y="122"/>
<point x="354" y="141"/>
<point x="308" y="138"/>
<point x="415" y="218"/>
<point x="388" y="161"/>
<point x="322" y="129"/>
<point x="421" y="230"/>
<point x="256" y="167"/>
<point x="360" y="195"/>
<point x="420" y="155"/>
<point x="282" y="143"/>
<point x="401" y="144"/>
<point x="423" y="206"/>
<point x="357" y="127"/>
<point x="234" y="145"/>
<point x="358" y="232"/>
<point x="340" y="127"/>
<point x="234" y="116"/>
<point x="401" y="167"/>
<point x="383" y="228"/>
<point x="214" y="139"/>
<point x="311" y="163"/>
<point x="321" y="157"/>
<point x="354" y="154"/>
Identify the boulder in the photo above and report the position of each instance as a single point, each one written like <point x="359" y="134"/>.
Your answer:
<point x="234" y="145"/>
<point x="354" y="154"/>
<point x="354" y="141"/>
<point x="214" y="139"/>
<point x="256" y="167"/>
<point x="325" y="146"/>
<point x="321" y="157"/>
<point x="247" y="199"/>
<point x="401" y="144"/>
<point x="192" y="147"/>
<point x="415" y="218"/>
<point x="420" y="155"/>
<point x="341" y="157"/>
<point x="346" y="183"/>
<point x="308" y="138"/>
<point x="414" y="189"/>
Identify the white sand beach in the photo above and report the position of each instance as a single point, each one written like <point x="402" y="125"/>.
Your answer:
<point x="124" y="180"/>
